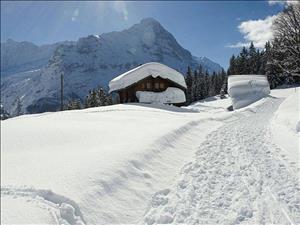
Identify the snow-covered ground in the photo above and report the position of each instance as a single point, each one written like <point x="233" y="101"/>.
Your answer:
<point x="286" y="123"/>
<point x="145" y="163"/>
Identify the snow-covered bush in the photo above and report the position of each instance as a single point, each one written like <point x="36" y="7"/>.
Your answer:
<point x="246" y="89"/>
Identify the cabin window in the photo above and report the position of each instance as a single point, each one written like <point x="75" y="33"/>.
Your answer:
<point x="143" y="86"/>
<point x="161" y="85"/>
<point x="156" y="85"/>
<point x="148" y="85"/>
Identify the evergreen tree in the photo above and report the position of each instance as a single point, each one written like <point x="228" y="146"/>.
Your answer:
<point x="286" y="44"/>
<point x="206" y="84"/>
<point x="19" y="107"/>
<point x="3" y="113"/>
<point x="97" y="98"/>
<point x="242" y="62"/>
<point x="101" y="97"/>
<point x="189" y="82"/>
<point x="109" y="100"/>
<point x="75" y="104"/>
<point x="232" y="67"/>
<point x="253" y="61"/>
<point x="212" y="84"/>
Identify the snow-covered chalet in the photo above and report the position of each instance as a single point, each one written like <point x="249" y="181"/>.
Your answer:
<point x="150" y="83"/>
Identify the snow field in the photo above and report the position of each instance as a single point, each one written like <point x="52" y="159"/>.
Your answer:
<point x="148" y="164"/>
<point x="111" y="158"/>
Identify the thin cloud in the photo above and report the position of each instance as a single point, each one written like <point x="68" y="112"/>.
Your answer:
<point x="282" y="2"/>
<point x="121" y="7"/>
<point x="256" y="31"/>
<point x="75" y="15"/>
<point x="238" y="45"/>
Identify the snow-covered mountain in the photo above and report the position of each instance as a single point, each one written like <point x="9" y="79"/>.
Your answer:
<point x="90" y="62"/>
<point x="24" y="56"/>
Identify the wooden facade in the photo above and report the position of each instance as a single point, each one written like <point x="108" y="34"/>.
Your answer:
<point x="149" y="83"/>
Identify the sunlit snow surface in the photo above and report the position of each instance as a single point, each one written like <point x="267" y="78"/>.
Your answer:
<point x="130" y="163"/>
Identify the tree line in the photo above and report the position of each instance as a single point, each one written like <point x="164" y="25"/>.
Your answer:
<point x="280" y="59"/>
<point x="201" y="85"/>
<point x="96" y="97"/>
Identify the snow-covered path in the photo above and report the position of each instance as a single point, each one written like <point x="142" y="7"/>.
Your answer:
<point x="238" y="176"/>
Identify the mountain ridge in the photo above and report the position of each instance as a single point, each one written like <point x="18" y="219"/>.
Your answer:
<point x="90" y="62"/>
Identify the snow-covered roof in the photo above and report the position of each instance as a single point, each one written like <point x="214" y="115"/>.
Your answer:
<point x="153" y="69"/>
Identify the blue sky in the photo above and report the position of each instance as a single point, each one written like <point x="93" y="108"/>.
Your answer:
<point x="215" y="29"/>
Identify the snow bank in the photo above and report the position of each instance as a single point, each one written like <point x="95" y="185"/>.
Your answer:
<point x="170" y="95"/>
<point x="153" y="69"/>
<point x="246" y="89"/>
<point x="285" y="125"/>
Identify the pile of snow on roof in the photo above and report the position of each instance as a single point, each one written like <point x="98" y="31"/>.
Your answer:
<point x="170" y="95"/>
<point x="153" y="69"/>
<point x="246" y="89"/>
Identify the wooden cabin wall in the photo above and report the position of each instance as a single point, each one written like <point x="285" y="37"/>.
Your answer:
<point x="157" y="84"/>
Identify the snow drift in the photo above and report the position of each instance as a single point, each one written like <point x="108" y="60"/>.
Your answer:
<point x="170" y="95"/>
<point x="285" y="124"/>
<point x="246" y="89"/>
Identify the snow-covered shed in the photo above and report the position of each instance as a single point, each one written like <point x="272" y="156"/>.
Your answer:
<point x="150" y="83"/>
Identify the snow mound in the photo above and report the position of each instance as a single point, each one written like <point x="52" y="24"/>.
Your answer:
<point x="170" y="95"/>
<point x="153" y="69"/>
<point x="286" y="123"/>
<point x="246" y="89"/>
<point x="288" y="113"/>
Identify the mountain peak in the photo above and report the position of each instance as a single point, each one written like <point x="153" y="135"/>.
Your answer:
<point x="9" y="40"/>
<point x="149" y="21"/>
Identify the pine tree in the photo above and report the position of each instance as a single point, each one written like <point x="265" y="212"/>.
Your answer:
<point x="101" y="97"/>
<point x="253" y="61"/>
<point x="232" y="67"/>
<point x="19" y="107"/>
<point x="212" y="84"/>
<point x="97" y="97"/>
<point x="109" y="100"/>
<point x="74" y="104"/>
<point x="3" y="113"/>
<point x="189" y="82"/>
<point x="206" y="84"/>
<point x="243" y="63"/>
<point x="287" y="40"/>
<point x="91" y="99"/>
